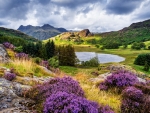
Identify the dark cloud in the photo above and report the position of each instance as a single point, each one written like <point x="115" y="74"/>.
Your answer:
<point x="73" y="3"/>
<point x="43" y="2"/>
<point x="122" y="6"/>
<point x="86" y="9"/>
<point x="144" y="13"/>
<point x="14" y="9"/>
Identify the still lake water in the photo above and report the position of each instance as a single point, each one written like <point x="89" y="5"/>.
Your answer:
<point x="103" y="58"/>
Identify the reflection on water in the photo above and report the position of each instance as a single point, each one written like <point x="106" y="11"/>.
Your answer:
<point x="103" y="58"/>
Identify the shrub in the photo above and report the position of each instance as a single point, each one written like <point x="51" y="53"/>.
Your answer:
<point x="138" y="46"/>
<point x="112" y="45"/>
<point x="66" y="84"/>
<point x="37" y="60"/>
<point x="94" y="62"/>
<point x="54" y="62"/>
<point x="133" y="93"/>
<point x="105" y="109"/>
<point x="146" y="66"/>
<point x="62" y="102"/>
<point x="145" y="87"/>
<point x="119" y="79"/>
<point x="9" y="76"/>
<point x="8" y="45"/>
<point x="44" y="63"/>
<point x="142" y="58"/>
<point x="18" y="49"/>
<point x="22" y="56"/>
<point x="135" y="101"/>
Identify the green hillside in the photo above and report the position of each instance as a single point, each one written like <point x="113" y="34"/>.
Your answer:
<point x="5" y="32"/>
<point x="136" y="32"/>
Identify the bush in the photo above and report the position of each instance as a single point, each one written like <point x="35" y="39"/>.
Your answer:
<point x="54" y="62"/>
<point x="112" y="45"/>
<point x="65" y="84"/>
<point x="133" y="101"/>
<point x="138" y="46"/>
<point x="44" y="63"/>
<point x="22" y="56"/>
<point x="133" y="93"/>
<point x="9" y="76"/>
<point x="94" y="62"/>
<point x="18" y="49"/>
<point x="142" y="58"/>
<point x="119" y="79"/>
<point x="62" y="102"/>
<point x="8" y="45"/>
<point x="146" y="66"/>
<point x="37" y="60"/>
<point x="105" y="109"/>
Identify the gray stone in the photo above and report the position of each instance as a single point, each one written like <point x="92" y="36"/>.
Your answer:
<point x="3" y="54"/>
<point x="11" y="100"/>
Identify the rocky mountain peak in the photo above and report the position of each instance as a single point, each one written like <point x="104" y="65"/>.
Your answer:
<point x="47" y="26"/>
<point x="85" y="33"/>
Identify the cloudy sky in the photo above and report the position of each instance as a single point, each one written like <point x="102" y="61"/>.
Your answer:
<point x="96" y="15"/>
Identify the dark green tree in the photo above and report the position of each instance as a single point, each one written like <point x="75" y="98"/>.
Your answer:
<point x="146" y="66"/>
<point x="50" y="49"/>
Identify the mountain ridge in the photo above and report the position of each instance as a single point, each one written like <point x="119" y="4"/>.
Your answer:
<point x="136" y="32"/>
<point x="41" y="32"/>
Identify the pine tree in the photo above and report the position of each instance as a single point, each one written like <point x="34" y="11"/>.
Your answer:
<point x="42" y="52"/>
<point x="50" y="49"/>
<point x="146" y="66"/>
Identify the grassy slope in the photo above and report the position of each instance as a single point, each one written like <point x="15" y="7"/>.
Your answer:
<point x="15" y="34"/>
<point x="137" y="32"/>
<point x="24" y="67"/>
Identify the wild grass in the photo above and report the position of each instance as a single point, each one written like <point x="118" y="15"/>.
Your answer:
<point x="93" y="93"/>
<point x="26" y="68"/>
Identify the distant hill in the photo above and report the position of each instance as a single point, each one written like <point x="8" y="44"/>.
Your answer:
<point x="75" y="35"/>
<point x="42" y="33"/>
<point x="136" y="32"/>
<point x="15" y="34"/>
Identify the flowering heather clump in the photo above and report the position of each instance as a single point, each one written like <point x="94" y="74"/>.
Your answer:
<point x="44" y="63"/>
<point x="9" y="76"/>
<point x="62" y="102"/>
<point x="8" y="45"/>
<point x="105" y="109"/>
<point x="65" y="84"/>
<point x="119" y="79"/>
<point x="145" y="87"/>
<point x="135" y="101"/>
<point x="133" y="93"/>
<point x="22" y="56"/>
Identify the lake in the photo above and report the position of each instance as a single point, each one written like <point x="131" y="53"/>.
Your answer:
<point x="103" y="58"/>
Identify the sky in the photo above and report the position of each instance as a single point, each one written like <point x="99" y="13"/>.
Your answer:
<point x="95" y="15"/>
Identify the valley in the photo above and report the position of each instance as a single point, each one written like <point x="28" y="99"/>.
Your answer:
<point x="49" y="69"/>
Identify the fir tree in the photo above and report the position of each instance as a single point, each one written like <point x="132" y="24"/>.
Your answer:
<point x="146" y="66"/>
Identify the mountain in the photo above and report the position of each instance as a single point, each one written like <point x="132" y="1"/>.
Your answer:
<point x="136" y="32"/>
<point x="44" y="32"/>
<point x="75" y="35"/>
<point x="15" y="34"/>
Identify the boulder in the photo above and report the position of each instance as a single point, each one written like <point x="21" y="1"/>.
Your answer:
<point x="3" y="54"/>
<point x="85" y="33"/>
<point x="11" y="100"/>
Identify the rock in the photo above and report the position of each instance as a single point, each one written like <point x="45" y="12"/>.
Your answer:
<point x="11" y="100"/>
<point x="85" y="33"/>
<point x="141" y="80"/>
<point x="3" y="54"/>
<point x="116" y="67"/>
